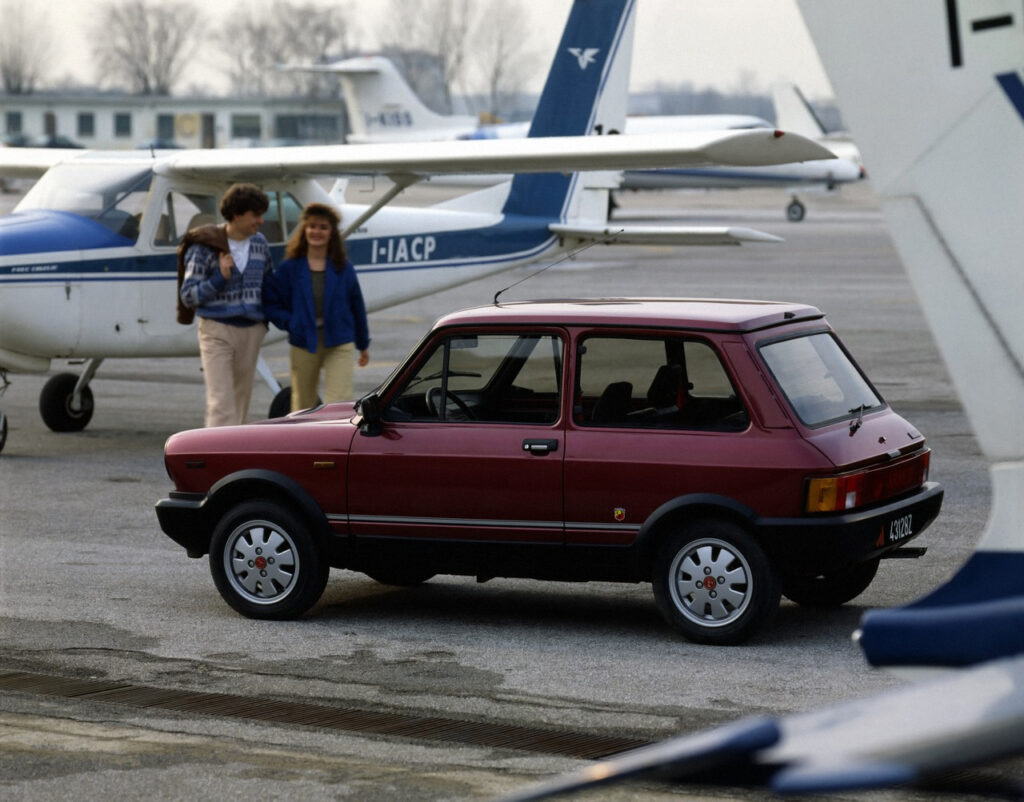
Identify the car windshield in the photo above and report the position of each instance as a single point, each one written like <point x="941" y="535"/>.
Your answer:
<point x="820" y="382"/>
<point x="113" y="195"/>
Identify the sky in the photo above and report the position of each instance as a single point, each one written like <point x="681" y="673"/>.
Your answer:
<point x="724" y="44"/>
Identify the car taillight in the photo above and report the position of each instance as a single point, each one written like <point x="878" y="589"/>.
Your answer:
<point x="846" y="491"/>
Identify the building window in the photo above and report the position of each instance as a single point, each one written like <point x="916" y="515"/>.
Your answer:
<point x="86" y="123"/>
<point x="165" y="126"/>
<point x="122" y="124"/>
<point x="308" y="127"/>
<point x="13" y="122"/>
<point x="245" y="126"/>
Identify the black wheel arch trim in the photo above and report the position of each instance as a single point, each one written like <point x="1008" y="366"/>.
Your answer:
<point x="701" y="503"/>
<point x="190" y="518"/>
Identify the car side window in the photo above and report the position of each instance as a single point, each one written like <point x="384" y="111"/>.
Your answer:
<point x="493" y="378"/>
<point x="655" y="383"/>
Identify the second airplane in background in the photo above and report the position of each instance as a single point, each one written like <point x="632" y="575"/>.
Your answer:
<point x="383" y="108"/>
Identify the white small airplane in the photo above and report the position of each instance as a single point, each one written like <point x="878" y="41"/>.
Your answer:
<point x="383" y="108"/>
<point x="950" y="176"/>
<point x="88" y="258"/>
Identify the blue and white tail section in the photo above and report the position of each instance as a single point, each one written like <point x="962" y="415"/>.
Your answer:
<point x="586" y="92"/>
<point x="498" y="228"/>
<point x="951" y="179"/>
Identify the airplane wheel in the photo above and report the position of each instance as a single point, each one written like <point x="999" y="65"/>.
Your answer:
<point x="282" y="403"/>
<point x="3" y="431"/>
<point x="55" y="404"/>
<point x="795" y="211"/>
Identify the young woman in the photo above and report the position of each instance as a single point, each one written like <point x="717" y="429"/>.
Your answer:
<point x="314" y="295"/>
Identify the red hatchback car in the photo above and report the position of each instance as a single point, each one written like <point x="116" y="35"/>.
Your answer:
<point x="728" y="452"/>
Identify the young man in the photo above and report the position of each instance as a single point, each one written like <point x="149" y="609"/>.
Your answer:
<point x="225" y="287"/>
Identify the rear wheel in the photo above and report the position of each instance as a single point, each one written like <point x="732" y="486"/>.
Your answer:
<point x="265" y="563"/>
<point x="714" y="583"/>
<point x="830" y="590"/>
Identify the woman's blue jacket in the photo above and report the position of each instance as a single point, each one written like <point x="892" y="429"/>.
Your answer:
<point x="288" y="303"/>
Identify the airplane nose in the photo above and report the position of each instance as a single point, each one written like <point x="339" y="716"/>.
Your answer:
<point x="46" y="230"/>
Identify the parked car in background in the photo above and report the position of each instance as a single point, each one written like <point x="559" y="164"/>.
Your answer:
<point x="53" y="141"/>
<point x="728" y="452"/>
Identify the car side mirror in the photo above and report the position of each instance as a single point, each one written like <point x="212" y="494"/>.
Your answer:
<point x="369" y="408"/>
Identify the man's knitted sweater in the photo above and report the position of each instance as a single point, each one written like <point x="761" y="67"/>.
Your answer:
<point x="238" y="300"/>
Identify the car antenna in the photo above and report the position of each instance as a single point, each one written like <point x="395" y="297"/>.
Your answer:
<point x="571" y="254"/>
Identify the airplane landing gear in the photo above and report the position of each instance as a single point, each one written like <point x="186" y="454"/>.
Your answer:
<point x="65" y="402"/>
<point x="282" y="403"/>
<point x="795" y="211"/>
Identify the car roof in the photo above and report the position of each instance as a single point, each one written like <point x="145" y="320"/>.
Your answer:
<point x="708" y="314"/>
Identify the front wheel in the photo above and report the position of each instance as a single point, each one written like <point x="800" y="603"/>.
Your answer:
<point x="714" y="583"/>
<point x="265" y="563"/>
<point x="57" y="407"/>
<point x="830" y="590"/>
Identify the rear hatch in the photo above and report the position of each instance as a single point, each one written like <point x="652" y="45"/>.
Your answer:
<point x="877" y="454"/>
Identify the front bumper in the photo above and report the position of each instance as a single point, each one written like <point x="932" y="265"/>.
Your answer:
<point x="183" y="519"/>
<point x="831" y="543"/>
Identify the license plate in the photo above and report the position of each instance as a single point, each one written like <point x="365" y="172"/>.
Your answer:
<point x="900" y="528"/>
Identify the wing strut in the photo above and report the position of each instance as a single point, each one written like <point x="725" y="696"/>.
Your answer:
<point x="401" y="181"/>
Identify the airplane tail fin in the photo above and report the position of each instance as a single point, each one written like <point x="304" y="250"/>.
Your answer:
<point x="794" y="113"/>
<point x="950" y="176"/>
<point x="586" y="92"/>
<point x="382" y="106"/>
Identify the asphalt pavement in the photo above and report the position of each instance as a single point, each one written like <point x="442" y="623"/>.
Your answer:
<point x="90" y="589"/>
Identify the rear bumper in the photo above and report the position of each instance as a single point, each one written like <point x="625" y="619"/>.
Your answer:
<point x="832" y="543"/>
<point x="183" y="519"/>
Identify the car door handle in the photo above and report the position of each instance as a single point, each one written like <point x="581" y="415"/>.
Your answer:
<point x="540" y="446"/>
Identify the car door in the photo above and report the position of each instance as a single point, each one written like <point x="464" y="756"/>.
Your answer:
<point x="471" y="443"/>
<point x="654" y="418"/>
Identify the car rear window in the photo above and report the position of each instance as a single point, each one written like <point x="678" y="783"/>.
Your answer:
<point x="818" y="379"/>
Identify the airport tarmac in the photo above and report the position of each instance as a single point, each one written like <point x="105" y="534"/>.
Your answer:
<point x="179" y="697"/>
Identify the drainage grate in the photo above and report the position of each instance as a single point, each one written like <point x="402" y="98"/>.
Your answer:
<point x="583" y="745"/>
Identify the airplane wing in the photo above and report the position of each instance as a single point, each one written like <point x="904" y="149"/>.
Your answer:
<point x="541" y="154"/>
<point x="663" y="235"/>
<point x="32" y="162"/>
<point x="919" y="736"/>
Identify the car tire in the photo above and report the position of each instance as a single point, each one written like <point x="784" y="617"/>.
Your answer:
<point x="265" y="562"/>
<point x="830" y="590"/>
<point x="714" y="583"/>
<point x="400" y="577"/>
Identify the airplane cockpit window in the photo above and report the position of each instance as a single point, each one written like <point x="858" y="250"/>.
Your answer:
<point x="181" y="211"/>
<point x="114" y="196"/>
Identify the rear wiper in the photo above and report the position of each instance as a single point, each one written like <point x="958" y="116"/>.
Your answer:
<point x="857" y="422"/>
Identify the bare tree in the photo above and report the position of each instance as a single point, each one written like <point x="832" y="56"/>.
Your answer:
<point x="25" y="44"/>
<point x="146" y="43"/>
<point x="261" y="37"/>
<point x="437" y="27"/>
<point x="502" y="57"/>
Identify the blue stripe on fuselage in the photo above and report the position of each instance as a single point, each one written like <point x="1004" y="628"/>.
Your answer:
<point x="515" y="238"/>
